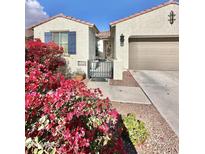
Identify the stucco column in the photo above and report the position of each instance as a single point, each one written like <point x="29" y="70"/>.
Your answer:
<point x="121" y="62"/>
<point x="125" y="51"/>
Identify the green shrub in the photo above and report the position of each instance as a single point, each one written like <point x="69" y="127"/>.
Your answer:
<point x="136" y="129"/>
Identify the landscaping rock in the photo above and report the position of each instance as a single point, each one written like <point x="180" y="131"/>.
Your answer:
<point x="162" y="139"/>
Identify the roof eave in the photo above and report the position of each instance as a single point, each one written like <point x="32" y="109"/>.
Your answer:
<point x="112" y="24"/>
<point x="63" y="16"/>
<point x="95" y="27"/>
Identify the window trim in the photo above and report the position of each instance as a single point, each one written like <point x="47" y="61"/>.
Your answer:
<point x="59" y="37"/>
<point x="65" y="53"/>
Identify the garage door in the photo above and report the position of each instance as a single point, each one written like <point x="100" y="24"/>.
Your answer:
<point x="154" y="53"/>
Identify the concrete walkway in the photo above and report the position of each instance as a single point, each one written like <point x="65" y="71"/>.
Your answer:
<point x="162" y="89"/>
<point x="120" y="93"/>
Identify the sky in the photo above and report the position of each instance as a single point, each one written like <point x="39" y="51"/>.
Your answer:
<point x="101" y="13"/>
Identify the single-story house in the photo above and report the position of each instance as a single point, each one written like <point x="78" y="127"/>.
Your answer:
<point x="77" y="37"/>
<point x="148" y="40"/>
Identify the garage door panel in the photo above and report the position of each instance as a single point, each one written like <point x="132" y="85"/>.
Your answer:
<point x="155" y="55"/>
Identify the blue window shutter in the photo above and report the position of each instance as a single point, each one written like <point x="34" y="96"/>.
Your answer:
<point x="48" y="37"/>
<point x="72" y="42"/>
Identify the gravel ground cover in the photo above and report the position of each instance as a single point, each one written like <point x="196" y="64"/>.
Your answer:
<point x="162" y="139"/>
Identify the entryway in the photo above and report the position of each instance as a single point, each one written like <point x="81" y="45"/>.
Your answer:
<point x="100" y="69"/>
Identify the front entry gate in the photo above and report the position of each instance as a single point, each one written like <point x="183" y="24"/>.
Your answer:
<point x="100" y="69"/>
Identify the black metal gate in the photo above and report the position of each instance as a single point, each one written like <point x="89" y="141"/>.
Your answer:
<point x="100" y="69"/>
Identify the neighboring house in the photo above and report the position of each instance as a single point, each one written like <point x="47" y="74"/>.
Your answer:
<point x="77" y="37"/>
<point x="28" y="34"/>
<point x="148" y="40"/>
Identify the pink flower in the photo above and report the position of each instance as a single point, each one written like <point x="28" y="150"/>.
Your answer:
<point x="73" y="110"/>
<point x="114" y="114"/>
<point x="52" y="116"/>
<point x="104" y="128"/>
<point x="69" y="116"/>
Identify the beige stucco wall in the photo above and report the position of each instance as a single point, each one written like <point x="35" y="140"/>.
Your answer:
<point x="92" y="43"/>
<point x="152" y="23"/>
<point x="113" y="39"/>
<point x="84" y="37"/>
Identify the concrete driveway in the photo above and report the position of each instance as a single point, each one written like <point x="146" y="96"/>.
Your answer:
<point x="162" y="89"/>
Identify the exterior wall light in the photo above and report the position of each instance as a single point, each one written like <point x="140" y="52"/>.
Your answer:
<point x="122" y="39"/>
<point x="171" y="17"/>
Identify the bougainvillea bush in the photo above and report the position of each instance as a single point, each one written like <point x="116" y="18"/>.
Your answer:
<point x="64" y="116"/>
<point x="48" y="54"/>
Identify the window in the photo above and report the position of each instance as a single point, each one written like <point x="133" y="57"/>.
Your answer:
<point x="61" y="38"/>
<point x="67" y="40"/>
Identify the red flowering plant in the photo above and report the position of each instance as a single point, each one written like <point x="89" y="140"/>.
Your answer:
<point x="48" y="54"/>
<point x="64" y="116"/>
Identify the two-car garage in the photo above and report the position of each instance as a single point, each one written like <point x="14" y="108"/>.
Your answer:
<point x="147" y="40"/>
<point x="154" y="53"/>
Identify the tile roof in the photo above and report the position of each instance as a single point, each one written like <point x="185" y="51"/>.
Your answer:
<point x="145" y="11"/>
<point x="105" y="34"/>
<point x="66" y="17"/>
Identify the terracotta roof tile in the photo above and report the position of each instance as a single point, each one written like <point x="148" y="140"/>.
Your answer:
<point x="105" y="34"/>
<point x="63" y="16"/>
<point x="143" y="12"/>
